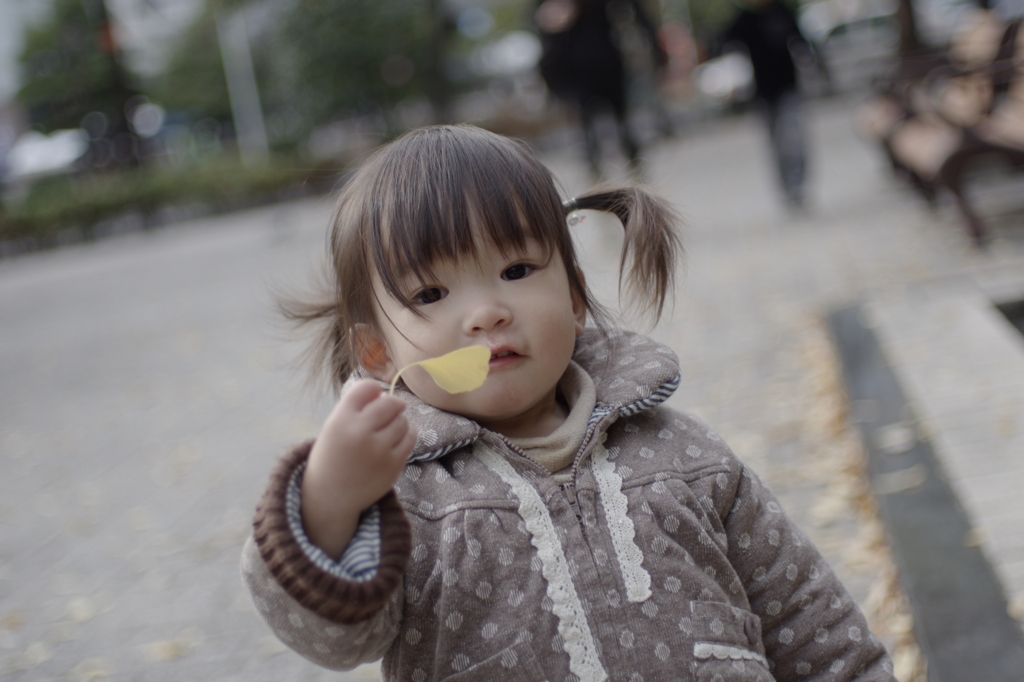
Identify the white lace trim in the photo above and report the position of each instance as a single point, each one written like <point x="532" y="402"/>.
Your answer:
<point x="577" y="638"/>
<point x="705" y="650"/>
<point x="637" y="579"/>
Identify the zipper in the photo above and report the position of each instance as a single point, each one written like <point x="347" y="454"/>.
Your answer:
<point x="518" y="451"/>
<point x="570" y="492"/>
<point x="569" y="488"/>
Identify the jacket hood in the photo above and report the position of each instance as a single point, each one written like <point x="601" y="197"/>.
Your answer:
<point x="631" y="373"/>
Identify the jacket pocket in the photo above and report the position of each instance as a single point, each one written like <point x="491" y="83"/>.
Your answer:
<point x="727" y="644"/>
<point x="517" y="663"/>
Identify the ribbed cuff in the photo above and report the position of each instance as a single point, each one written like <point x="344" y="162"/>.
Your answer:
<point x="327" y="595"/>
<point x="359" y="560"/>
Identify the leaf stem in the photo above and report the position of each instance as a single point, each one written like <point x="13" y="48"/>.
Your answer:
<point x="397" y="375"/>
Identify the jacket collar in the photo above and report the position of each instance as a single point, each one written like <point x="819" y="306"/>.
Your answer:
<point x="631" y="373"/>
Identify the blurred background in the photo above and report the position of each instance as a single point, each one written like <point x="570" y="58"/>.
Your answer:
<point x="147" y="384"/>
<point x="116" y="113"/>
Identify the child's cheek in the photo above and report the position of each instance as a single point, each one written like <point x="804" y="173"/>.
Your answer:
<point x="424" y="388"/>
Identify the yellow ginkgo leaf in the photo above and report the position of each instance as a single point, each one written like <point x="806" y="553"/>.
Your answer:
<point x="457" y="372"/>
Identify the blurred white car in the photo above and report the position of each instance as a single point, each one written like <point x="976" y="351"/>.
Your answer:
<point x="35" y="155"/>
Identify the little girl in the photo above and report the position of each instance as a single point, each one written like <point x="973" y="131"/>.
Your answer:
<point x="557" y="523"/>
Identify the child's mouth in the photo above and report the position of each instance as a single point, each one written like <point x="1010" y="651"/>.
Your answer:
<point x="502" y="357"/>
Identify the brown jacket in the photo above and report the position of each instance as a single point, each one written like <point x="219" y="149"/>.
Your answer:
<point x="665" y="558"/>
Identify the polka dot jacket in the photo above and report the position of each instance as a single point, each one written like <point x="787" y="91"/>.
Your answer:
<point x="664" y="558"/>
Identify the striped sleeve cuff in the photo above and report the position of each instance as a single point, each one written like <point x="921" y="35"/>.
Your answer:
<point x="350" y="590"/>
<point x="359" y="561"/>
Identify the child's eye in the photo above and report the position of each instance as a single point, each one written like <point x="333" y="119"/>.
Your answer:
<point x="429" y="295"/>
<point x="517" y="271"/>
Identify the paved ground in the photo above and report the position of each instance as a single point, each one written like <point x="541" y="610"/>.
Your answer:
<point x="147" y="388"/>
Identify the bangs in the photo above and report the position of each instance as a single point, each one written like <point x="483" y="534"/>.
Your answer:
<point x="441" y="193"/>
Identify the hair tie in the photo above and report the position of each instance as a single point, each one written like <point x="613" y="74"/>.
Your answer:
<point x="570" y="205"/>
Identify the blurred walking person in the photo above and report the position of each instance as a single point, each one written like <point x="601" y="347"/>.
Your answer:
<point x="582" y="64"/>
<point x="769" y="32"/>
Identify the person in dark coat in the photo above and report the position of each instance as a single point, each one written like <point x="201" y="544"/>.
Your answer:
<point x="582" y="63"/>
<point x="768" y="30"/>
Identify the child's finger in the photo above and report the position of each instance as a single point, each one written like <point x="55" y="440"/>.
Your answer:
<point x="392" y="433"/>
<point x="382" y="411"/>
<point x="408" y="442"/>
<point x="360" y="394"/>
<point x="399" y="451"/>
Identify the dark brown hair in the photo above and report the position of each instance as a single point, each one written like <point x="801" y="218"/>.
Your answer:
<point x="431" y="194"/>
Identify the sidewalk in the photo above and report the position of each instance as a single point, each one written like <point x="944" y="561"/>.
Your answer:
<point x="147" y="389"/>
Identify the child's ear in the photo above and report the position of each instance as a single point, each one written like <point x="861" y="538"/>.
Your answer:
<point x="371" y="352"/>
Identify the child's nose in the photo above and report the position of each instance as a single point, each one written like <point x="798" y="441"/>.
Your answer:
<point x="487" y="315"/>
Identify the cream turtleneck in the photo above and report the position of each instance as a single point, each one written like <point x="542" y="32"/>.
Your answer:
<point x="557" y="450"/>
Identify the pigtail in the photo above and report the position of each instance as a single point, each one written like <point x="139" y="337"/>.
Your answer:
<point x="651" y="245"/>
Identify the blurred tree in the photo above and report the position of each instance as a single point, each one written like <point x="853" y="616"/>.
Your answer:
<point x="316" y="61"/>
<point x="70" y="68"/>
<point x="709" y="18"/>
<point x="344" y="56"/>
<point x="194" y="79"/>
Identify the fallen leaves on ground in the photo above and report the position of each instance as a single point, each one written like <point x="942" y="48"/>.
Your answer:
<point x="171" y="649"/>
<point x="841" y="466"/>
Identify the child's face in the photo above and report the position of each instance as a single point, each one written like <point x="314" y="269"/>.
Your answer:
<point x="519" y="305"/>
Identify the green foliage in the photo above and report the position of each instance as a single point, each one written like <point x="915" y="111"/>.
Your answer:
<point x="194" y="80"/>
<point x="67" y="70"/>
<point x="81" y="201"/>
<point x="340" y="56"/>
<point x="711" y="17"/>
<point x="317" y="61"/>
<point x="512" y="15"/>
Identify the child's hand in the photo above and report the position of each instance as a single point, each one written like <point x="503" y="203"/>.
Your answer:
<point x="362" y="448"/>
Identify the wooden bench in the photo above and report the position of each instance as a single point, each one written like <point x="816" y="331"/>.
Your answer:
<point x="935" y="130"/>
